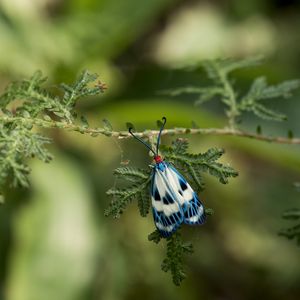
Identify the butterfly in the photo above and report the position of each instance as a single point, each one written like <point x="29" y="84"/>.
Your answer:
<point x="173" y="200"/>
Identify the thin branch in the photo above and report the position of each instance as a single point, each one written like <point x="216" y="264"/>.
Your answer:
<point x="233" y="112"/>
<point x="149" y="133"/>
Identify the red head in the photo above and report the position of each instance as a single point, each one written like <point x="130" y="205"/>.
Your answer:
<point x="158" y="159"/>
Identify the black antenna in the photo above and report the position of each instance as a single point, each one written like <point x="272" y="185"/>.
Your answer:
<point x="160" y="131"/>
<point x="140" y="140"/>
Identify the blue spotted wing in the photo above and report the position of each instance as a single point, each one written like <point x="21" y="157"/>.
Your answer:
<point x="173" y="200"/>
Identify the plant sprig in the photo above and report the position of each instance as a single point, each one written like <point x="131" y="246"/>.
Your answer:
<point x="192" y="166"/>
<point x="176" y="249"/>
<point x="139" y="189"/>
<point x="198" y="163"/>
<point x="223" y="89"/>
<point x="27" y="106"/>
<point x="27" y="103"/>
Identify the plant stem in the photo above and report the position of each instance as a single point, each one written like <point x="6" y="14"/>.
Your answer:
<point x="233" y="112"/>
<point x="150" y="133"/>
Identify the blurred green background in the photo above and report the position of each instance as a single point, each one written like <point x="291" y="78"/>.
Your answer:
<point x="54" y="240"/>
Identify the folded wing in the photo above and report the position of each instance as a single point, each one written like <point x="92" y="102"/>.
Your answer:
<point x="173" y="200"/>
<point x="167" y="213"/>
<point x="192" y="207"/>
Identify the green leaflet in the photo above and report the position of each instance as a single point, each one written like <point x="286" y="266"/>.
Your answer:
<point x="176" y="249"/>
<point x="80" y="88"/>
<point x="260" y="90"/>
<point x="139" y="190"/>
<point x="174" y="260"/>
<point x="17" y="143"/>
<point x="131" y="174"/>
<point x="196" y="164"/>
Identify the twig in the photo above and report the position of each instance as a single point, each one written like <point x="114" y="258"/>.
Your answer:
<point x="149" y="133"/>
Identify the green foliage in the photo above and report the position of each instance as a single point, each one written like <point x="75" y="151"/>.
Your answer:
<point x="80" y="89"/>
<point x="155" y="237"/>
<point x="192" y="166"/>
<point x="196" y="164"/>
<point x="224" y="90"/>
<point x="176" y="249"/>
<point x="25" y="104"/>
<point x="219" y="68"/>
<point x="37" y="100"/>
<point x="139" y="190"/>
<point x="260" y="91"/>
<point x="292" y="232"/>
<point x="18" y="143"/>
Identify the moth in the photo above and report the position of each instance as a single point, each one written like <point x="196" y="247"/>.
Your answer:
<point x="173" y="200"/>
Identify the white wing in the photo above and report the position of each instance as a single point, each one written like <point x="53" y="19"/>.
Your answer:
<point x="173" y="200"/>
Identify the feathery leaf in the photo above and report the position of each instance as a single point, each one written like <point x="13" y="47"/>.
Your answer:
<point x="260" y="90"/>
<point x="138" y="190"/>
<point x="219" y="71"/>
<point x="196" y="164"/>
<point x="173" y="263"/>
<point x="34" y="105"/>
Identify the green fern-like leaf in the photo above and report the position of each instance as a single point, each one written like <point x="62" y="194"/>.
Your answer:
<point x="121" y="198"/>
<point x="205" y="93"/>
<point x="193" y="165"/>
<point x="80" y="88"/>
<point x="155" y="237"/>
<point x="27" y="89"/>
<point x="175" y="253"/>
<point x="25" y="103"/>
<point x="131" y="174"/>
<point x="144" y="202"/>
<point x="176" y="249"/>
<point x="138" y="190"/>
<point x="17" y="143"/>
<point x="223" y="89"/>
<point x="230" y="64"/>
<point x="218" y="69"/>
<point x="260" y="91"/>
<point x="179" y="146"/>
<point x="265" y="113"/>
<point x="35" y="98"/>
